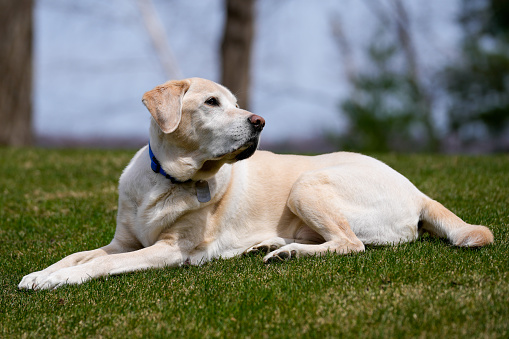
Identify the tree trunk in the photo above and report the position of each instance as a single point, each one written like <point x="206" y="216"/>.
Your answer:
<point x="407" y="44"/>
<point x="236" y="48"/>
<point x="16" y="72"/>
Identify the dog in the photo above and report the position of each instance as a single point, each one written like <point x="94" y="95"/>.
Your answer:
<point x="201" y="190"/>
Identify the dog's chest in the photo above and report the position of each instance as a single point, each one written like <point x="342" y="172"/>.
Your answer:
<point x="161" y="208"/>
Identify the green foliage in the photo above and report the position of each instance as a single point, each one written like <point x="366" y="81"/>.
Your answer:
<point x="478" y="83"/>
<point x="391" y="108"/>
<point x="388" y="109"/>
<point x="54" y="203"/>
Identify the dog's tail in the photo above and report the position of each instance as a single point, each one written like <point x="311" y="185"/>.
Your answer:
<point x="438" y="220"/>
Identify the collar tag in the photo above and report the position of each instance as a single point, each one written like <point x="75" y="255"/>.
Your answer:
<point x="202" y="191"/>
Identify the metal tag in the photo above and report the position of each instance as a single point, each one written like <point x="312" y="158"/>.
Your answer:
<point x="202" y="191"/>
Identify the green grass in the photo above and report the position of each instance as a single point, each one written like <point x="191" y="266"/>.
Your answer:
<point x="56" y="202"/>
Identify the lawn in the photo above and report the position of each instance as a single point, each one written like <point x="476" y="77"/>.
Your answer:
<point x="56" y="202"/>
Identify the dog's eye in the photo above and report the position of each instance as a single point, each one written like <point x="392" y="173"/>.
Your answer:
<point x="212" y="101"/>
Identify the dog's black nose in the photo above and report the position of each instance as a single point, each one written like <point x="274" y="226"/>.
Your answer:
<point x="257" y="121"/>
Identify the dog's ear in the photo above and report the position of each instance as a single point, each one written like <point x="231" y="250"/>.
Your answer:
<point x="165" y="103"/>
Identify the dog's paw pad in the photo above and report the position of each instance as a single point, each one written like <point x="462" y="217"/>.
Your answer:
<point x="284" y="255"/>
<point x="273" y="259"/>
<point x="261" y="249"/>
<point x="252" y="251"/>
<point x="280" y="256"/>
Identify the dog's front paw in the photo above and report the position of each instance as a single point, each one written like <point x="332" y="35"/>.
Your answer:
<point x="33" y="280"/>
<point x="65" y="276"/>
<point x="282" y="254"/>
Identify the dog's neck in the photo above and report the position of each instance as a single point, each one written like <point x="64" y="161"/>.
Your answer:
<point x="202" y="186"/>
<point x="179" y="163"/>
<point x="156" y="167"/>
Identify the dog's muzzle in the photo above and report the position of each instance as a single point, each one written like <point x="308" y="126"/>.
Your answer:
<point x="257" y="123"/>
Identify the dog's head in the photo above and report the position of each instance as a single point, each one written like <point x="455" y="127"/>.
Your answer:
<point x="203" y="121"/>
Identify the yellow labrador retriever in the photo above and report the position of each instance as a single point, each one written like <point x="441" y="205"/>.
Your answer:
<point x="187" y="198"/>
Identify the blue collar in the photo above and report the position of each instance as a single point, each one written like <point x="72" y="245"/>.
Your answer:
<point x="156" y="167"/>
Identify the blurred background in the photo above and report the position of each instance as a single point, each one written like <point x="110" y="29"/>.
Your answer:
<point x="360" y="75"/>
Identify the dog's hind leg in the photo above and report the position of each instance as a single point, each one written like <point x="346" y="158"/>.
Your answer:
<point x="314" y="200"/>
<point x="439" y="221"/>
